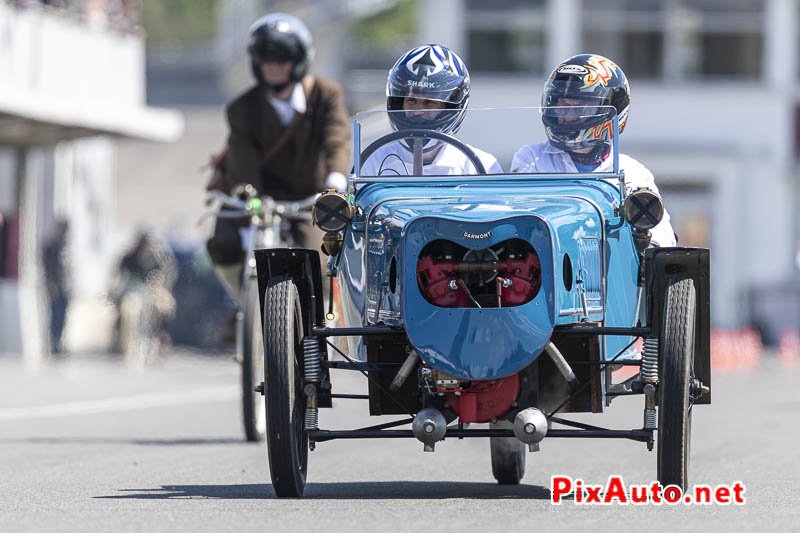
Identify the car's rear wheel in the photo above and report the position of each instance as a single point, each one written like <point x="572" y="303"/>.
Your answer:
<point x="287" y="440"/>
<point x="675" y="378"/>
<point x="252" y="356"/>
<point x="508" y="458"/>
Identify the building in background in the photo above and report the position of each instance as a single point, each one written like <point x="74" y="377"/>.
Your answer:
<point x="72" y="83"/>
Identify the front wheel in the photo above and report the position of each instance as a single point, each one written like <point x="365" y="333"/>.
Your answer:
<point x="508" y="458"/>
<point x="675" y="379"/>
<point x="251" y="346"/>
<point x="287" y="440"/>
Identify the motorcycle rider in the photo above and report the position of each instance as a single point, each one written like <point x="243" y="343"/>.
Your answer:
<point x="431" y="85"/>
<point x="289" y="135"/>
<point x="580" y="135"/>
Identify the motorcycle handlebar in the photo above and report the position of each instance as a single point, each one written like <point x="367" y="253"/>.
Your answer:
<point x="226" y="200"/>
<point x="295" y="209"/>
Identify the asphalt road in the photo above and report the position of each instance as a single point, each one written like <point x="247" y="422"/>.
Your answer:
<point x="90" y="445"/>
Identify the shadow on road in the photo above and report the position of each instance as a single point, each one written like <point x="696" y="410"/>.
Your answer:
<point x="385" y="490"/>
<point x="140" y="442"/>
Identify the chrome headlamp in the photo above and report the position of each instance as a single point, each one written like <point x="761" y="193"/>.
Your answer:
<point x="331" y="211"/>
<point x="643" y="209"/>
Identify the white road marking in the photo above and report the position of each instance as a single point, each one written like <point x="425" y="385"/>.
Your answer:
<point x="124" y="403"/>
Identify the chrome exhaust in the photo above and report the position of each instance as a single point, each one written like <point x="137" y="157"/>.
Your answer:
<point x="530" y="426"/>
<point x="429" y="426"/>
<point x="408" y="365"/>
<point x="561" y="364"/>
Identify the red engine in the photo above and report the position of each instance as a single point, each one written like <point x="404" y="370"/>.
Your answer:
<point x="482" y="401"/>
<point x="506" y="275"/>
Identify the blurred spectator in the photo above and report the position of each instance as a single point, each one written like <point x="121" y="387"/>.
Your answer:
<point x="9" y="252"/>
<point x="123" y="15"/>
<point x="148" y="262"/>
<point x="151" y="271"/>
<point x="94" y="13"/>
<point x="120" y="15"/>
<point x="56" y="281"/>
<point x="2" y="247"/>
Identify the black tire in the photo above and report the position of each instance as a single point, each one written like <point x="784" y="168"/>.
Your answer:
<point x="287" y="440"/>
<point x="252" y="357"/>
<point x="675" y="377"/>
<point x="508" y="459"/>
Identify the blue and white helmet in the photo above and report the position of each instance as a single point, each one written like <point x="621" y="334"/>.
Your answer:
<point x="432" y="72"/>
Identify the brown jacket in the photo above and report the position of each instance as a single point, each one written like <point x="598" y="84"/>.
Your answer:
<point x="320" y="143"/>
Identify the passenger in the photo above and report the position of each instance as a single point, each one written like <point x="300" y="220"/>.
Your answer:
<point x="431" y="83"/>
<point x="579" y="139"/>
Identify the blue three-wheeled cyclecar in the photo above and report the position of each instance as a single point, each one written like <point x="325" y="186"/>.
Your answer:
<point x="501" y="299"/>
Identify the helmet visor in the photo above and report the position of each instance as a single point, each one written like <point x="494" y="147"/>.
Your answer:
<point x="576" y="117"/>
<point x="270" y="51"/>
<point x="570" y="91"/>
<point x="421" y="89"/>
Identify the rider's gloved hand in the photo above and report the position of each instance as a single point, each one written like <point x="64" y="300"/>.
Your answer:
<point x="336" y="180"/>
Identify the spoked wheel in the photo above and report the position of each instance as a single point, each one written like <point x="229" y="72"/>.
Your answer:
<point x="287" y="441"/>
<point x="251" y="344"/>
<point x="675" y="383"/>
<point x="508" y="458"/>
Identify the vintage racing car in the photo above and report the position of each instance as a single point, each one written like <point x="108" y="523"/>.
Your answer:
<point x="500" y="299"/>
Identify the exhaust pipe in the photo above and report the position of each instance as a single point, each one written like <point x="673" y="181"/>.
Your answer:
<point x="530" y="426"/>
<point x="429" y="426"/>
<point x="561" y="364"/>
<point x="405" y="370"/>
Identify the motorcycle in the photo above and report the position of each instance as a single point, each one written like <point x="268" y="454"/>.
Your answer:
<point x="269" y="226"/>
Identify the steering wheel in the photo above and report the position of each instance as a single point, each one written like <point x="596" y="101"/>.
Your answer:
<point x="419" y="134"/>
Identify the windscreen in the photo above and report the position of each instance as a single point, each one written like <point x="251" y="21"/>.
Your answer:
<point x="446" y="142"/>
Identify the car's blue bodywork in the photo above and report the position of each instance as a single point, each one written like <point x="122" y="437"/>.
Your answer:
<point x="571" y="215"/>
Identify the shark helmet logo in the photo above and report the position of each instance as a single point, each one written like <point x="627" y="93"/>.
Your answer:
<point x="432" y="59"/>
<point x="421" y="84"/>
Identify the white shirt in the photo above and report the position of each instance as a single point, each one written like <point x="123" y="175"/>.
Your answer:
<point x="395" y="160"/>
<point x="544" y="157"/>
<point x="285" y="109"/>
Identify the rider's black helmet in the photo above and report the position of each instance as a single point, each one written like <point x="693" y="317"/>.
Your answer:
<point x="433" y="72"/>
<point x="280" y="37"/>
<point x="588" y="80"/>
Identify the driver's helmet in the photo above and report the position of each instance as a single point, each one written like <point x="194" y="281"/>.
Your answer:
<point x="280" y="37"/>
<point x="585" y="80"/>
<point x="431" y="72"/>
